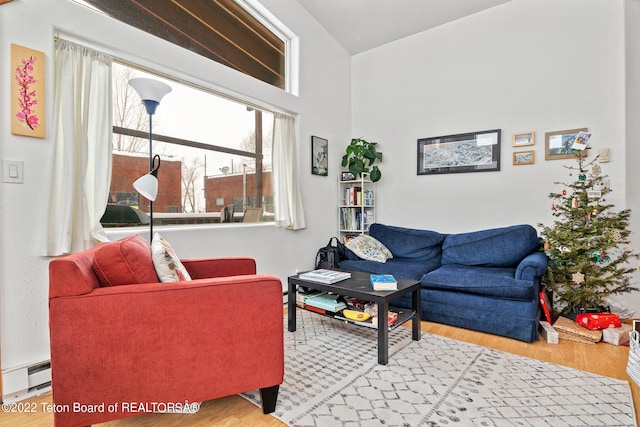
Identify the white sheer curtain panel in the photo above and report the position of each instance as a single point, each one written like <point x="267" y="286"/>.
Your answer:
<point x="289" y="212"/>
<point x="81" y="164"/>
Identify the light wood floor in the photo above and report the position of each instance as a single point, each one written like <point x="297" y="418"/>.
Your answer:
<point x="604" y="359"/>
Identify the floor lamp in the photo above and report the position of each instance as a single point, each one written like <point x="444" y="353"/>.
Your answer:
<point x="150" y="92"/>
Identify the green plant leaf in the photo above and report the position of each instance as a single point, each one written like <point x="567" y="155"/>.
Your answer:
<point x="375" y="174"/>
<point x="356" y="166"/>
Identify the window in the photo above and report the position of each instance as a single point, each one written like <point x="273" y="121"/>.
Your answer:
<point x="220" y="30"/>
<point x="215" y="153"/>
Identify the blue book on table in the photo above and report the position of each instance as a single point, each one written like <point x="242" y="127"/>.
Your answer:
<point x="383" y="282"/>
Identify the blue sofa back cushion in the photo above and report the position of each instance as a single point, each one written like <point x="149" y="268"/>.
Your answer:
<point x="488" y="281"/>
<point x="409" y="243"/>
<point x="496" y="247"/>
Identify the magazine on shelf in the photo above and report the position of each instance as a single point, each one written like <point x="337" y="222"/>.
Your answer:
<point x="325" y="276"/>
<point x="384" y="282"/>
<point x="327" y="302"/>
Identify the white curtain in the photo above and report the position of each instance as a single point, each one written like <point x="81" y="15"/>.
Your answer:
<point x="289" y="212"/>
<point x="81" y="164"/>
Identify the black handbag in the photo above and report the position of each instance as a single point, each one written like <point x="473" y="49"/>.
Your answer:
<point x="331" y="255"/>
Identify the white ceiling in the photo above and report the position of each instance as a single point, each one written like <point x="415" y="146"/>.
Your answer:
<point x="360" y="25"/>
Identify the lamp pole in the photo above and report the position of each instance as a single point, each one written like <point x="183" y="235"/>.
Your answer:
<point x="150" y="169"/>
<point x="150" y="92"/>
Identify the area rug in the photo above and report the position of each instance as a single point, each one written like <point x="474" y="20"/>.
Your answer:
<point x="332" y="378"/>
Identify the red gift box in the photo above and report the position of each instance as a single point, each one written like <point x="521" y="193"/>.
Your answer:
<point x="598" y="320"/>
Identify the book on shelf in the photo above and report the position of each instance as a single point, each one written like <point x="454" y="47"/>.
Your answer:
<point x="368" y="197"/>
<point x="351" y="219"/>
<point x="302" y="297"/>
<point x="384" y="282"/>
<point x="325" y="276"/>
<point x="315" y="309"/>
<point x="327" y="302"/>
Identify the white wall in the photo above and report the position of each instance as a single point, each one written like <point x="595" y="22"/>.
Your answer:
<point x="632" y="17"/>
<point x="527" y="65"/>
<point x="323" y="108"/>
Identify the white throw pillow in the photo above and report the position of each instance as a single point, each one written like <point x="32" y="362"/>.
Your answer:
<point x="166" y="262"/>
<point x="366" y="247"/>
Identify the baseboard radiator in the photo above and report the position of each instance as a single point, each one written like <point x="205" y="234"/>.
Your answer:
<point x="26" y="381"/>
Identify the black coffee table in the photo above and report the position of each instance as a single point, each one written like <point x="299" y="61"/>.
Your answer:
<point x="359" y="286"/>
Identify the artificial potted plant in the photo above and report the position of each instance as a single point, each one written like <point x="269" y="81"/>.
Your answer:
<point x="360" y="157"/>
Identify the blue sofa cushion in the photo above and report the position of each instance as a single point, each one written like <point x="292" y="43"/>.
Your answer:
<point x="497" y="247"/>
<point x="398" y="267"/>
<point x="488" y="281"/>
<point x="408" y="243"/>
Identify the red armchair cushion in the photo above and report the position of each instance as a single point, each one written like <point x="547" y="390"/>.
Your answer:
<point x="124" y="262"/>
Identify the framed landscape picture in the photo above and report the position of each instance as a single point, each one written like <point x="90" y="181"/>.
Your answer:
<point x="557" y="145"/>
<point x="524" y="157"/>
<point x="465" y="152"/>
<point x="523" y="138"/>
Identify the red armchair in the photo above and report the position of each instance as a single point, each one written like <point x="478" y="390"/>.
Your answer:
<point x="118" y="351"/>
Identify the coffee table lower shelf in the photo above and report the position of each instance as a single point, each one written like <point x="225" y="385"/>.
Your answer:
<point x="403" y="317"/>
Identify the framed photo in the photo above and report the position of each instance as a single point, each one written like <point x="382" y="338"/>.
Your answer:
<point x="558" y="144"/>
<point x="466" y="152"/>
<point x="27" y="92"/>
<point x="319" y="156"/>
<point x="347" y="176"/>
<point x="522" y="139"/>
<point x="524" y="157"/>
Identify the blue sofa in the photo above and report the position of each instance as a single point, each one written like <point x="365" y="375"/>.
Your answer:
<point x="487" y="280"/>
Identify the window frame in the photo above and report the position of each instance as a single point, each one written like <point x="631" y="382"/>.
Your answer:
<point x="183" y="219"/>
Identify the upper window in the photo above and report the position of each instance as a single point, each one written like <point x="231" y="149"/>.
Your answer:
<point x="220" y="30"/>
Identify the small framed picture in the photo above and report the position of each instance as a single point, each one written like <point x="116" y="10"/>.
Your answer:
<point x="524" y="157"/>
<point x="347" y="176"/>
<point x="559" y="144"/>
<point x="522" y="139"/>
<point x="582" y="141"/>
<point x="319" y="156"/>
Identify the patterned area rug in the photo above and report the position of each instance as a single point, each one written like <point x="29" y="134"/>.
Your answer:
<point x="332" y="379"/>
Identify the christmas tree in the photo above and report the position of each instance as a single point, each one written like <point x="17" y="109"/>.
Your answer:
<point x="588" y="244"/>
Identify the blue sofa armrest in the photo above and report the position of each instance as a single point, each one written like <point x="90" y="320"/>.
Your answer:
<point x="532" y="267"/>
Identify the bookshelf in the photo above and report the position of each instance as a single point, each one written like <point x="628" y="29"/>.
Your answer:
<point x="356" y="207"/>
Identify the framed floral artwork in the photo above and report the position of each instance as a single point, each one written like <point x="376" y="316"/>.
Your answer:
<point x="27" y="92"/>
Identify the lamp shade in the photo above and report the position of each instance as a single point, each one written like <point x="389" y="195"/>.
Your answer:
<point x="147" y="185"/>
<point x="150" y="91"/>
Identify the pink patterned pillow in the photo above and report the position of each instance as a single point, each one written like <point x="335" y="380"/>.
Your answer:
<point x="166" y="262"/>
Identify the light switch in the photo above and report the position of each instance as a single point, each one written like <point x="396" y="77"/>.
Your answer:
<point x="12" y="171"/>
